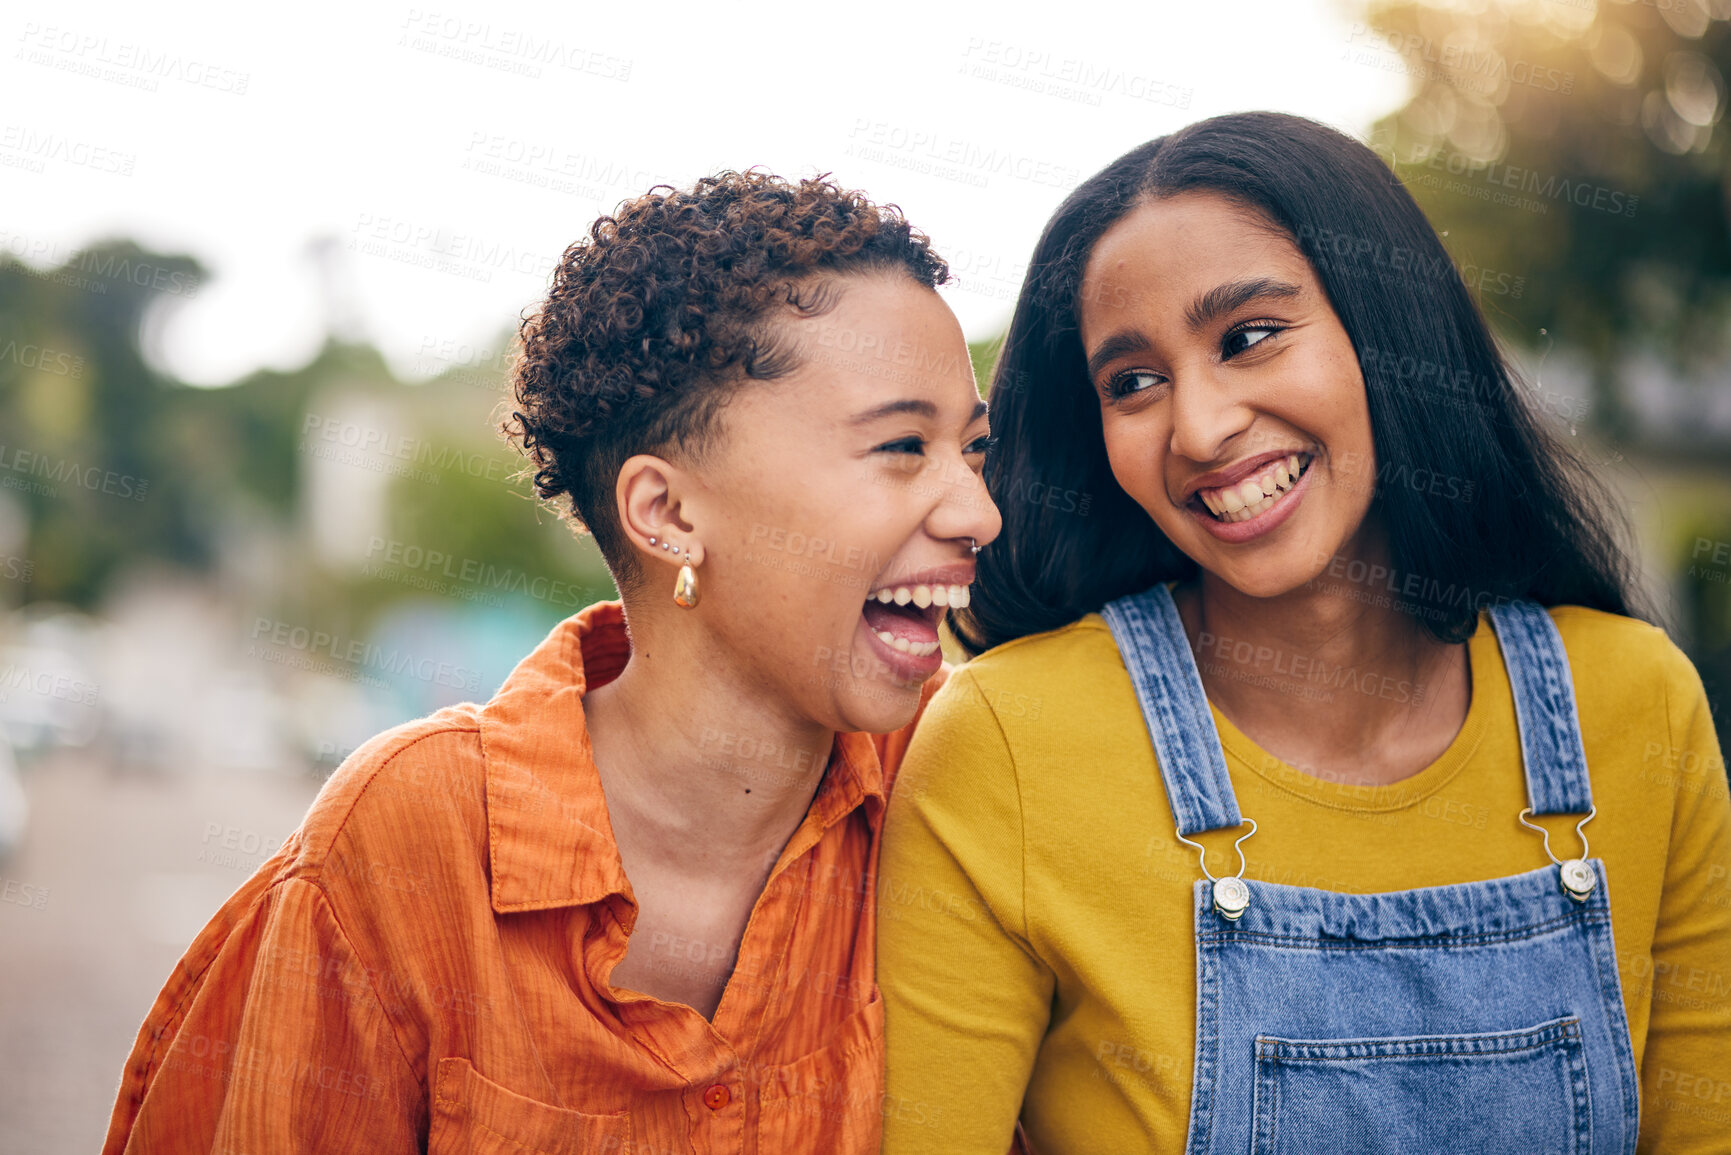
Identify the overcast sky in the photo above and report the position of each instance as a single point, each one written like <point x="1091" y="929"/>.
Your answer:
<point x="452" y="151"/>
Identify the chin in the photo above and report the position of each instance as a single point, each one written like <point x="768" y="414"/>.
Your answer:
<point x="1262" y="572"/>
<point x="1258" y="580"/>
<point x="878" y="707"/>
<point x="1263" y="585"/>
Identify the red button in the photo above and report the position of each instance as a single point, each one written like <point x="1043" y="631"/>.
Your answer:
<point x="717" y="1097"/>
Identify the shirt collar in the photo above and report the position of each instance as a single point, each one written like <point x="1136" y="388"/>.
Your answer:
<point x="549" y="839"/>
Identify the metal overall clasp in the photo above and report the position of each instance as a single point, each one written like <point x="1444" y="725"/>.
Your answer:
<point x="1231" y="893"/>
<point x="1576" y="875"/>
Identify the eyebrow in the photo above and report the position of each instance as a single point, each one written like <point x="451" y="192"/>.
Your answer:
<point x="1114" y="347"/>
<point x="1223" y="299"/>
<point x="1210" y="306"/>
<point x="910" y="405"/>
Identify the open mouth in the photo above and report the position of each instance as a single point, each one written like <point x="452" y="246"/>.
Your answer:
<point x="905" y="617"/>
<point x="1254" y="495"/>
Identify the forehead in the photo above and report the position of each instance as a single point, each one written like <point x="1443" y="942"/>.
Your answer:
<point x="883" y="337"/>
<point x="883" y="333"/>
<point x="1170" y="250"/>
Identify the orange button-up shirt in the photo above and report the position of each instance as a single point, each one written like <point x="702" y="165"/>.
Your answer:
<point x="424" y="964"/>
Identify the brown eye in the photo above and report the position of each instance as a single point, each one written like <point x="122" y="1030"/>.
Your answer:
<point x="907" y="455"/>
<point x="1133" y="381"/>
<point x="1248" y="337"/>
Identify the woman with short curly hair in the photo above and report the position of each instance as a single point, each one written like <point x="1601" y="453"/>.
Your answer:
<point x="626" y="904"/>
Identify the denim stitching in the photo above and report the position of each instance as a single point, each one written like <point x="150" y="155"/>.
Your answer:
<point x="1150" y="637"/>
<point x="1419" y="1046"/>
<point x="1200" y="1130"/>
<point x="1439" y="942"/>
<point x="1604" y="951"/>
<point x="1551" y="755"/>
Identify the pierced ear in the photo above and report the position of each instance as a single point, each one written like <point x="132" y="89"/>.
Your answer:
<point x="647" y="496"/>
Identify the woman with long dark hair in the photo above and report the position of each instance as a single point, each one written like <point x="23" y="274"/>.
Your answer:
<point x="1307" y="670"/>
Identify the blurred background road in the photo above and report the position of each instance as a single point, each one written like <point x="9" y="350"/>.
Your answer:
<point x="124" y="868"/>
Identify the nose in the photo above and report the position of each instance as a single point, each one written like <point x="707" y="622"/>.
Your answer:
<point x="965" y="510"/>
<point x="1206" y="415"/>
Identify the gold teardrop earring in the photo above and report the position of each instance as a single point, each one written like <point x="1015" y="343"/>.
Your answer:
<point x="685" y="587"/>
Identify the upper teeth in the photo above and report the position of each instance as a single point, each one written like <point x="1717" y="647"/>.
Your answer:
<point x="922" y="595"/>
<point x="1252" y="496"/>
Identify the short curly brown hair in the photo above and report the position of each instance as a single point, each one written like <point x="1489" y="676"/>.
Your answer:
<point x="665" y="308"/>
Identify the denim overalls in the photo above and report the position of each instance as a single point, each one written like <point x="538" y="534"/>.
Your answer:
<point x="1484" y="1017"/>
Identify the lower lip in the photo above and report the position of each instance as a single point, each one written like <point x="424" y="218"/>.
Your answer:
<point x="902" y="667"/>
<point x="1270" y="518"/>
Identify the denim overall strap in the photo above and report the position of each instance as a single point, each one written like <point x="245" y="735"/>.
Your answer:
<point x="1156" y="652"/>
<point x="1551" y="751"/>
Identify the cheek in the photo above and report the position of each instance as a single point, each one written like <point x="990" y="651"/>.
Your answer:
<point x="819" y="544"/>
<point x="788" y="500"/>
<point x="860" y="510"/>
<point x="1351" y="440"/>
<point x="1134" y="451"/>
<point x="1336" y="389"/>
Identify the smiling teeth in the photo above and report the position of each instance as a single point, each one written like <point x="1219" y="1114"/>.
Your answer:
<point x="1254" y="495"/>
<point x="922" y="596"/>
<point x="916" y="649"/>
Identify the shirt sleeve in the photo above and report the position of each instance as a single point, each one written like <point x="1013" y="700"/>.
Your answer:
<point x="966" y="999"/>
<point x="269" y="1039"/>
<point x="1686" y="1069"/>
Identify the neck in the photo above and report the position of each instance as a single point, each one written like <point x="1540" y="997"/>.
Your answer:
<point x="1335" y="684"/>
<point x="704" y="768"/>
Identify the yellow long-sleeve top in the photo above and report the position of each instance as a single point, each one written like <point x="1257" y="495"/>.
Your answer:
<point x="1036" y="952"/>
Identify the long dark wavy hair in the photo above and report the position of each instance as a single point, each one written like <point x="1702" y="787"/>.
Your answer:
<point x="1521" y="517"/>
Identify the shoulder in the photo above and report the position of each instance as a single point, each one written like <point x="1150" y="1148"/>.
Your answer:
<point x="1072" y="660"/>
<point x="1023" y="704"/>
<point x="1087" y="637"/>
<point x="418" y="784"/>
<point x="1640" y="700"/>
<point x="1595" y="635"/>
<point x="1624" y="660"/>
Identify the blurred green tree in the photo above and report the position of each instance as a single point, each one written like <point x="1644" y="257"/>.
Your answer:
<point x="1573" y="145"/>
<point x="114" y="464"/>
<point x="1569" y="151"/>
<point x="82" y="423"/>
<point x="984" y="355"/>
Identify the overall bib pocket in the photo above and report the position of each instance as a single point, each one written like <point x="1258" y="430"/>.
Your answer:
<point x="1521" y="1092"/>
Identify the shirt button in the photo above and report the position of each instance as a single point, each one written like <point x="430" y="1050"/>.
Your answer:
<point x="717" y="1097"/>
